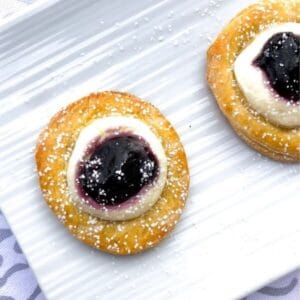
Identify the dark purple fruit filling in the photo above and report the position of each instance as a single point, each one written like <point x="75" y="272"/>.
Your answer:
<point x="280" y="61"/>
<point x="117" y="169"/>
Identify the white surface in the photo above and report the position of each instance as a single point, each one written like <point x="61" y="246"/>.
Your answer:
<point x="9" y="7"/>
<point x="255" y="85"/>
<point x="241" y="225"/>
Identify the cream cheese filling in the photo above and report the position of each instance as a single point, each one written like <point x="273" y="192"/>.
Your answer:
<point x="136" y="205"/>
<point x="255" y="86"/>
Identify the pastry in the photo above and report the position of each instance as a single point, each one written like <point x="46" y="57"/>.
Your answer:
<point x="253" y="71"/>
<point x="114" y="171"/>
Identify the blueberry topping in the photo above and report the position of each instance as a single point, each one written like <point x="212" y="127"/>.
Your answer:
<point x="117" y="169"/>
<point x="280" y="62"/>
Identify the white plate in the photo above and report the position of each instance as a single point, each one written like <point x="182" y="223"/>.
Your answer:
<point x="241" y="225"/>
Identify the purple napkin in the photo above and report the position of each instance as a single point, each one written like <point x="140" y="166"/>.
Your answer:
<point x="16" y="278"/>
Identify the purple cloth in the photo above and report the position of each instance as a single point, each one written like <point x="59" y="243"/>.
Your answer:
<point x="16" y="278"/>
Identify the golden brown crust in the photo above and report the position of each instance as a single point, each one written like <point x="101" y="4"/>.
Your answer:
<point x="54" y="148"/>
<point x="273" y="141"/>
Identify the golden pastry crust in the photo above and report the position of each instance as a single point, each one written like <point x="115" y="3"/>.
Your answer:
<point x="54" y="148"/>
<point x="273" y="141"/>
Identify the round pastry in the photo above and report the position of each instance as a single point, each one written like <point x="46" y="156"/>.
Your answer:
<point x="114" y="171"/>
<point x="253" y="71"/>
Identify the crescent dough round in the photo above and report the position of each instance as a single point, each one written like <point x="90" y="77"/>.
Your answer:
<point x="53" y="151"/>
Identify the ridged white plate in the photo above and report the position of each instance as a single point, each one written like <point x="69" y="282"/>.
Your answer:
<point x="241" y="224"/>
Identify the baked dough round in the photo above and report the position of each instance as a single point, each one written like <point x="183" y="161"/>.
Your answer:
<point x="272" y="140"/>
<point x="53" y="151"/>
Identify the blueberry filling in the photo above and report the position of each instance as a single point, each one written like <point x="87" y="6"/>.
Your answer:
<point x="279" y="60"/>
<point x="117" y="169"/>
